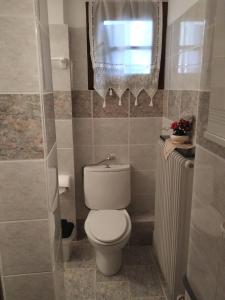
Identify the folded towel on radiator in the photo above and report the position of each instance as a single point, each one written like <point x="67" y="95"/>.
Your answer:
<point x="170" y="146"/>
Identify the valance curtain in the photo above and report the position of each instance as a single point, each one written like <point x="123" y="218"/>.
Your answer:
<point x="125" y="41"/>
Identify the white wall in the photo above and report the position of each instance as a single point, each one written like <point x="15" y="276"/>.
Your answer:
<point x="177" y="8"/>
<point x="55" y="11"/>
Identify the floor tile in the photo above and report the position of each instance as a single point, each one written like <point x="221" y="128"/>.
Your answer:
<point x="144" y="281"/>
<point x="120" y="276"/>
<point x="83" y="256"/>
<point x="112" y="291"/>
<point x="80" y="284"/>
<point x="138" y="255"/>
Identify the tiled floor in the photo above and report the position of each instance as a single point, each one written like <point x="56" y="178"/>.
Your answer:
<point x="139" y="278"/>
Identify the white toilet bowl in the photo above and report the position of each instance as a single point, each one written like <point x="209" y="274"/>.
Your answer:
<point x="108" y="231"/>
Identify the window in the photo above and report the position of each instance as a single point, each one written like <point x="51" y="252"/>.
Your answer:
<point x="190" y="46"/>
<point x="128" y="47"/>
<point x="135" y="49"/>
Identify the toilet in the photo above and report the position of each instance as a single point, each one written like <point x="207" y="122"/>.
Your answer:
<point x="108" y="224"/>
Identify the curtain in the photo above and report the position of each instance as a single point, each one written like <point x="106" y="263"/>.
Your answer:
<point x="125" y="42"/>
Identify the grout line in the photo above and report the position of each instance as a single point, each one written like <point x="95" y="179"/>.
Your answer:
<point x="23" y="221"/>
<point x="27" y="274"/>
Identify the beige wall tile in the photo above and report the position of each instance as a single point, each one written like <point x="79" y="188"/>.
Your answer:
<point x="23" y="191"/>
<point x="49" y="116"/>
<point x="59" y="40"/>
<point x="111" y="131"/>
<point x="18" y="60"/>
<point x="82" y="130"/>
<point x="29" y="287"/>
<point x="143" y="183"/>
<point x="16" y="8"/>
<point x="64" y="133"/>
<point x="143" y="157"/>
<point x="144" y="130"/>
<point x="21" y="251"/>
<point x="120" y="153"/>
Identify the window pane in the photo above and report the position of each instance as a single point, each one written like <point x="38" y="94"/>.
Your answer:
<point x="191" y="33"/>
<point x="137" y="61"/>
<point x="121" y="36"/>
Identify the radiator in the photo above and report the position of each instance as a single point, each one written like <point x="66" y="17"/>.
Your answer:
<point x="174" y="181"/>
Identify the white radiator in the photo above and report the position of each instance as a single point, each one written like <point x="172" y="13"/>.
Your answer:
<point x="172" y="217"/>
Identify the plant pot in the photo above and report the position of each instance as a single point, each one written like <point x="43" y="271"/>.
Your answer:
<point x="180" y="139"/>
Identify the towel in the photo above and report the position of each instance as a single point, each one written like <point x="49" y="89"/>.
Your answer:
<point x="170" y="147"/>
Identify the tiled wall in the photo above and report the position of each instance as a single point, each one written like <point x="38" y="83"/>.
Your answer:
<point x="184" y="80"/>
<point x="206" y="250"/>
<point x="129" y="132"/>
<point x="59" y="41"/>
<point x="30" y="233"/>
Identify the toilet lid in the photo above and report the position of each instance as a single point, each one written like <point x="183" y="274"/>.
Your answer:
<point x="108" y="225"/>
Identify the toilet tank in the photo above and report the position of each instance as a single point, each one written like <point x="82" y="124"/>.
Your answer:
<point x="107" y="187"/>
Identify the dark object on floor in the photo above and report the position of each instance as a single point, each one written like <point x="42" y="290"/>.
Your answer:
<point x="67" y="228"/>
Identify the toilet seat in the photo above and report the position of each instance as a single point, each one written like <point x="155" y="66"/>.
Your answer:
<point x="108" y="226"/>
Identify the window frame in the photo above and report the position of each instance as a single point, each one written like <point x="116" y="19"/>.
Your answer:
<point x="163" y="54"/>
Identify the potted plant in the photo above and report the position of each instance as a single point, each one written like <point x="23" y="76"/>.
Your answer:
<point x="181" y="131"/>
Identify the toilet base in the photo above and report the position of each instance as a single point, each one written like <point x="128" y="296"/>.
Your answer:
<point x="108" y="263"/>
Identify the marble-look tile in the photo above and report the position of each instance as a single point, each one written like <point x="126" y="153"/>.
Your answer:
<point x="112" y="290"/>
<point x="143" y="182"/>
<point x="23" y="8"/>
<point x="59" y="40"/>
<point x="62" y="104"/>
<point x="112" y="109"/>
<point x="20" y="249"/>
<point x="119" y="152"/>
<point x="145" y="130"/>
<point x="81" y="104"/>
<point x="23" y="191"/>
<point x="165" y="103"/>
<point x="78" y="52"/>
<point x="120" y="276"/>
<point x="49" y="121"/>
<point x="138" y="255"/>
<point x="83" y="256"/>
<point x="19" y="69"/>
<point x="143" y="157"/>
<point x="80" y="284"/>
<point x="82" y="130"/>
<point x="113" y="131"/>
<point x="64" y="133"/>
<point x="143" y="281"/>
<point x="189" y="103"/>
<point x="174" y="105"/>
<point x="29" y="287"/>
<point x="149" y="298"/>
<point x="143" y="109"/>
<point x="202" y="124"/>
<point x="21" y="134"/>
